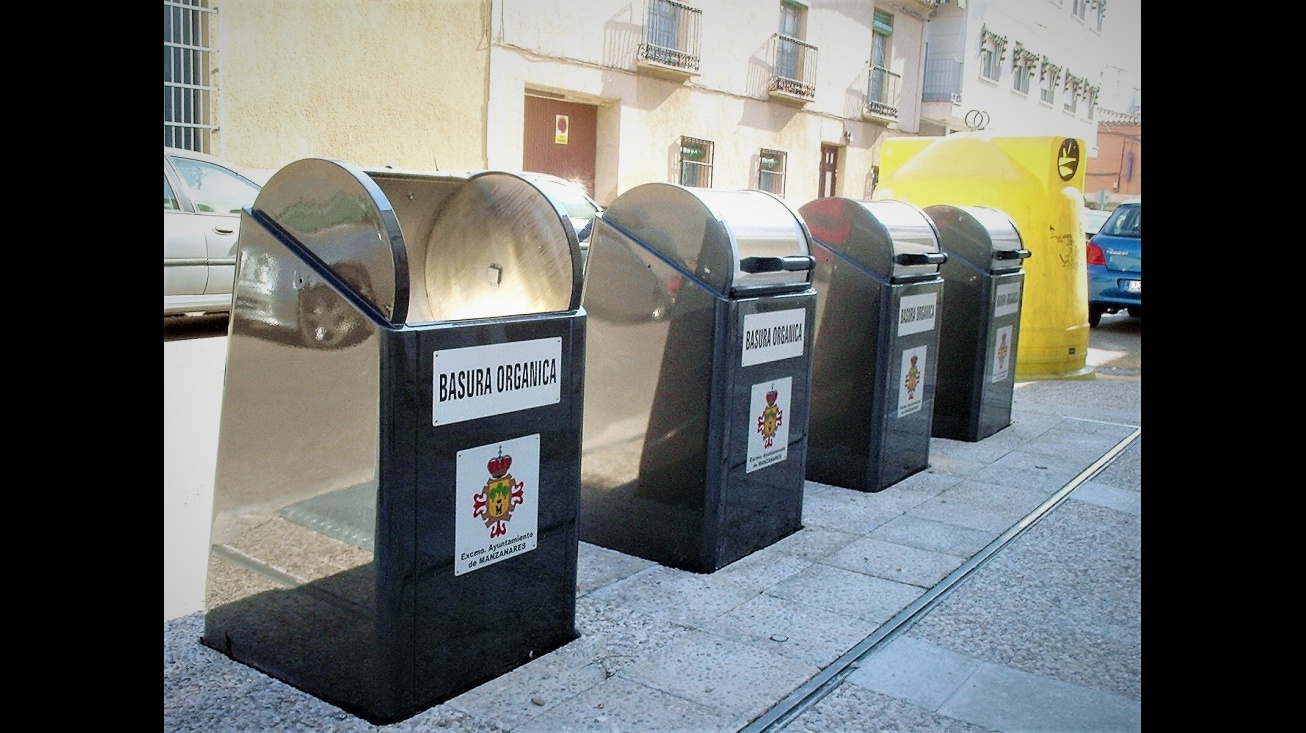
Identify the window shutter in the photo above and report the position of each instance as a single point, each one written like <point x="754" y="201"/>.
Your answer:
<point x="883" y="23"/>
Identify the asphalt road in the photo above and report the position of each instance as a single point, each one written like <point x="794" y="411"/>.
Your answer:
<point x="1115" y="347"/>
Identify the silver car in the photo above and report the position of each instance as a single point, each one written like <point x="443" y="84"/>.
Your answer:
<point x="202" y="199"/>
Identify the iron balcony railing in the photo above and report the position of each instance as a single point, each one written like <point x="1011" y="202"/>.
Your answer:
<point x="793" y="67"/>
<point x="942" y="80"/>
<point x="882" y="94"/>
<point x="671" y="36"/>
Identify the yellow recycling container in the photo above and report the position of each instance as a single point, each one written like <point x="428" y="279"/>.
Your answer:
<point x="1039" y="183"/>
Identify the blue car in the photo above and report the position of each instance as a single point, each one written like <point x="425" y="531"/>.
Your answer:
<point x="1115" y="264"/>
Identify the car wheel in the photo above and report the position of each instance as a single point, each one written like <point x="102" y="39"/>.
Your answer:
<point x="1135" y="312"/>
<point x="325" y="319"/>
<point x="1095" y="315"/>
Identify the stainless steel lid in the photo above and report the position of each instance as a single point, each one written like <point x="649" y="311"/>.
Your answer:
<point x="735" y="242"/>
<point x="983" y="236"/>
<point x="481" y="244"/>
<point x="891" y="239"/>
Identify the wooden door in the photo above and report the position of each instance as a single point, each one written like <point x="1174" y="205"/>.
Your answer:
<point x="829" y="171"/>
<point x="560" y="139"/>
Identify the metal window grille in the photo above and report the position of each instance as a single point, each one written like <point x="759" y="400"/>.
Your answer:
<point x="188" y="90"/>
<point x="771" y="171"/>
<point x="695" y="162"/>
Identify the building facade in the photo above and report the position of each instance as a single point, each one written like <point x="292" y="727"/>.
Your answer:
<point x="1117" y="172"/>
<point x="1016" y="67"/>
<point x="788" y="96"/>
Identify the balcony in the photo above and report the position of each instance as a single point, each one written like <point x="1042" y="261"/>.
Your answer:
<point x="882" y="95"/>
<point x="793" y="70"/>
<point x="942" y="81"/>
<point x="671" y="41"/>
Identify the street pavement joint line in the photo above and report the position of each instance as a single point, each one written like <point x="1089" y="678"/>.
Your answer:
<point x="827" y="680"/>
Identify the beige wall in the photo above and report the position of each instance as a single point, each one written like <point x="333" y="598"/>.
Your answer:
<point x="370" y="82"/>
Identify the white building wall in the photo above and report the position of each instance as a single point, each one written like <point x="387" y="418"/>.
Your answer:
<point x="416" y="83"/>
<point x="585" y="51"/>
<point x="910" y="36"/>
<point x="1046" y="27"/>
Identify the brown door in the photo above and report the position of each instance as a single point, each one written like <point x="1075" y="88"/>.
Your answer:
<point x="829" y="171"/>
<point x="560" y="139"/>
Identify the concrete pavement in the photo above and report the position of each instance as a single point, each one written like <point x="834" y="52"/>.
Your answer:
<point x="1000" y="590"/>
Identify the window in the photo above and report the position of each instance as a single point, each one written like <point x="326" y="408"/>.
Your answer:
<point x="1071" y="93"/>
<point x="188" y="92"/>
<point x="993" y="49"/>
<point x="663" y="24"/>
<point x="1048" y="79"/>
<point x="695" y="162"/>
<point x="793" y="60"/>
<point x="1079" y="8"/>
<point x="169" y="198"/>
<point x="1023" y="68"/>
<point x="671" y="35"/>
<point x="1071" y="104"/>
<point x="771" y="165"/>
<point x="214" y="188"/>
<point x="1099" y="10"/>
<point x="881" y="32"/>
<point x="791" y="25"/>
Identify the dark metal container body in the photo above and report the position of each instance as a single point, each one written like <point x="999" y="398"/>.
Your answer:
<point x="695" y="423"/>
<point x="876" y="347"/>
<point x="980" y="329"/>
<point x="395" y="503"/>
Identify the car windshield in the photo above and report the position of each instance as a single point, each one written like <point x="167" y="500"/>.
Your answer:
<point x="1125" y="221"/>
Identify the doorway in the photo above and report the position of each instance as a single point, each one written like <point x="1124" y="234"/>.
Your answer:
<point x="829" y="182"/>
<point x="560" y="138"/>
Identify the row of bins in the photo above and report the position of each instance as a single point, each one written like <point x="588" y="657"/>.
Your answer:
<point x="427" y="405"/>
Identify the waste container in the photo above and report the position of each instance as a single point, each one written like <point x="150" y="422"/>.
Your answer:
<point x="398" y="473"/>
<point x="1039" y="182"/>
<point x="984" y="282"/>
<point x="876" y="342"/>
<point x="699" y="307"/>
